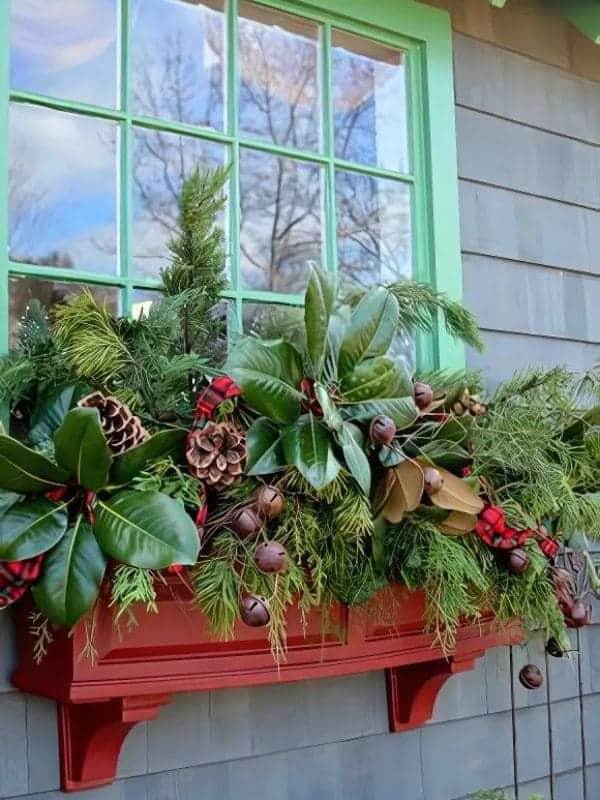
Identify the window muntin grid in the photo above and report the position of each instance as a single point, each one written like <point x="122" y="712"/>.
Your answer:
<point x="409" y="244"/>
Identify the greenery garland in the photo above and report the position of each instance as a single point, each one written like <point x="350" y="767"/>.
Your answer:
<point x="313" y="469"/>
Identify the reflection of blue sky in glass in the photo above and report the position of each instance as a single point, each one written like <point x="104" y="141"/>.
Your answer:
<point x="373" y="227"/>
<point x="62" y="189"/>
<point x="161" y="162"/>
<point x="279" y="88"/>
<point x="178" y="61"/>
<point x="369" y="103"/>
<point x="65" y="48"/>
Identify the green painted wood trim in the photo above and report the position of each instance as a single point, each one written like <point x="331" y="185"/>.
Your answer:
<point x="583" y="14"/>
<point x="422" y="31"/>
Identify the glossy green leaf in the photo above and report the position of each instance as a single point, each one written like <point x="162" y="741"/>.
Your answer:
<point x="8" y="499"/>
<point x="31" y="527"/>
<point x="401" y="409"/>
<point x="263" y="447"/>
<point x="267" y="379"/>
<point x="331" y="416"/>
<point x="25" y="471"/>
<point x="350" y="439"/>
<point x="390" y="456"/>
<point x="51" y="411"/>
<point x="146" y="529"/>
<point x="71" y="576"/>
<point x="162" y="444"/>
<point x="376" y="377"/>
<point x="371" y="329"/>
<point x="318" y="305"/>
<point x="307" y="446"/>
<point x="80" y="446"/>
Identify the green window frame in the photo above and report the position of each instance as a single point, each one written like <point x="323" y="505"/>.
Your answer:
<point x="423" y="32"/>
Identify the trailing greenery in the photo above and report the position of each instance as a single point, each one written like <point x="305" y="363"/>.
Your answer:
<point x="315" y="471"/>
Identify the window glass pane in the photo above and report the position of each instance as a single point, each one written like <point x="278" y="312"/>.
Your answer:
<point x="270" y="320"/>
<point x="281" y="221"/>
<point x="369" y="102"/>
<point x="143" y="301"/>
<point x="161" y="162"/>
<point x="62" y="189"/>
<point x="49" y="293"/>
<point x="373" y="228"/>
<point x="279" y="87"/>
<point x="179" y="60"/>
<point x="65" y="48"/>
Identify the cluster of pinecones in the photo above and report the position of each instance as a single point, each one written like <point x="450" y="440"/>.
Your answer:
<point x="120" y="425"/>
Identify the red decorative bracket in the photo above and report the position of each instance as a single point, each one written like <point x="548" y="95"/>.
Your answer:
<point x="91" y="736"/>
<point x="138" y="671"/>
<point x="413" y="689"/>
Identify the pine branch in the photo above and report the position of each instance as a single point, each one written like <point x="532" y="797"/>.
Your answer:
<point x="91" y="344"/>
<point x="420" y="305"/>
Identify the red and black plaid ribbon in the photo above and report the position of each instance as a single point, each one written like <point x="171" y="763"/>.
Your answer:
<point x="16" y="577"/>
<point x="218" y="390"/>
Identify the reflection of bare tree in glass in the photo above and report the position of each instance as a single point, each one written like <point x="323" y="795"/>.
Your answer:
<point x="373" y="220"/>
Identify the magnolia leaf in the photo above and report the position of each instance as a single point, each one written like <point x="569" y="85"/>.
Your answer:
<point x="30" y="528"/>
<point x="80" y="446"/>
<point x="331" y="416"/>
<point x="162" y="444"/>
<point x="401" y="409"/>
<point x="446" y="454"/>
<point x="51" y="411"/>
<point x="456" y="495"/>
<point x="307" y="446"/>
<point x="405" y="492"/>
<point x="146" y="529"/>
<point x="371" y="329"/>
<point x="267" y="379"/>
<point x="318" y="305"/>
<point x="350" y="439"/>
<point x="71" y="576"/>
<point x="25" y="471"/>
<point x="375" y="378"/>
<point x="390" y="456"/>
<point x="457" y="523"/>
<point x="8" y="499"/>
<point x="263" y="447"/>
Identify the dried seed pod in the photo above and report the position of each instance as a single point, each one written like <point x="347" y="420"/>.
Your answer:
<point x="270" y="502"/>
<point x="246" y="523"/>
<point x="579" y="615"/>
<point x="254" y="611"/>
<point x="531" y="677"/>
<point x="271" y="557"/>
<point x="423" y="394"/>
<point x="433" y="480"/>
<point x="382" y="429"/>
<point x="518" y="561"/>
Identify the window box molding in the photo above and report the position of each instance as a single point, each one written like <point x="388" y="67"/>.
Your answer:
<point x="137" y="671"/>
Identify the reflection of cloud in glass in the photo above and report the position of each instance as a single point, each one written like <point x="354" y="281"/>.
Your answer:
<point x="65" y="48"/>
<point x="369" y="102"/>
<point x="178" y="61"/>
<point x="62" y="189"/>
<point x="161" y="162"/>
<point x="373" y="227"/>
<point x="281" y="221"/>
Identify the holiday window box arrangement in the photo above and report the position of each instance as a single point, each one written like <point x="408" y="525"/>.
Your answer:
<point x="301" y="506"/>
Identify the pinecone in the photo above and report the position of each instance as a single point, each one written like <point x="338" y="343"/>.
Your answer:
<point x="120" y="425"/>
<point x="468" y="404"/>
<point x="216" y="454"/>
